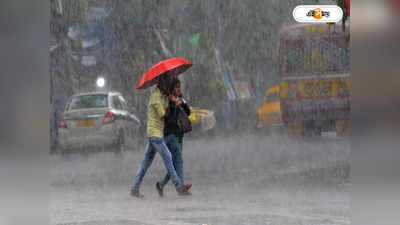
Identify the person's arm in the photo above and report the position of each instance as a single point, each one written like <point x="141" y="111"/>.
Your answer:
<point x="171" y="109"/>
<point x="161" y="111"/>
<point x="186" y="108"/>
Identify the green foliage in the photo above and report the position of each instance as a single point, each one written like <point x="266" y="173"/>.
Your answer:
<point x="342" y="5"/>
<point x="74" y="11"/>
<point x="348" y="39"/>
<point x="244" y="32"/>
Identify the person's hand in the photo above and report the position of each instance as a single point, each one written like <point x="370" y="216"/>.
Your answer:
<point x="178" y="102"/>
<point x="172" y="98"/>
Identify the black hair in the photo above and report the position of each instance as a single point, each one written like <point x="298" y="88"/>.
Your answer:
<point x="172" y="84"/>
<point x="163" y="80"/>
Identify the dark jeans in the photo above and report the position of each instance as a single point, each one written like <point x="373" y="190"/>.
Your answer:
<point x="175" y="148"/>
<point x="156" y="145"/>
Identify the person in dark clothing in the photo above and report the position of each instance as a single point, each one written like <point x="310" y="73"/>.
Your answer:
<point x="156" y="114"/>
<point x="173" y="136"/>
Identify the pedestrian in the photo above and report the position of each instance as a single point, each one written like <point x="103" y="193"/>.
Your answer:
<point x="173" y="136"/>
<point x="156" y="113"/>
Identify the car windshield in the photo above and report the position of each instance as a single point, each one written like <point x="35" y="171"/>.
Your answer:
<point x="88" y="101"/>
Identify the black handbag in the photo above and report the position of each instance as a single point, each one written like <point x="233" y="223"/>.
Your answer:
<point x="183" y="122"/>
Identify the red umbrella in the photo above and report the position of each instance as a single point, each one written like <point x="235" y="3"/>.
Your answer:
<point x="173" y="66"/>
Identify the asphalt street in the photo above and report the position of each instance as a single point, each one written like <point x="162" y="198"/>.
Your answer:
<point x="244" y="179"/>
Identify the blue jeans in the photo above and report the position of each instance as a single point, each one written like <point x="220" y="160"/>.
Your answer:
<point x="156" y="145"/>
<point x="176" y="151"/>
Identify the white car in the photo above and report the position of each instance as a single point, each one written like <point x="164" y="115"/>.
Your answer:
<point x="99" y="121"/>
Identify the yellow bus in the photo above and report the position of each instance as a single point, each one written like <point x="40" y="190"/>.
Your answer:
<point x="315" y="79"/>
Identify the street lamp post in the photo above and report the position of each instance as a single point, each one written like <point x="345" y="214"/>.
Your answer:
<point x="100" y="84"/>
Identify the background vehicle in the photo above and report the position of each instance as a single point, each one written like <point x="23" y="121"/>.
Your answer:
<point x="99" y="120"/>
<point x="269" y="114"/>
<point x="315" y="79"/>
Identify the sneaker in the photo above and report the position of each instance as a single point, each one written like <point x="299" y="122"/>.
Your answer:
<point x="136" y="193"/>
<point x="188" y="186"/>
<point x="183" y="191"/>
<point x="159" y="189"/>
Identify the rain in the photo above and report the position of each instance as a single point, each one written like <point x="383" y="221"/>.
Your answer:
<point x="248" y="162"/>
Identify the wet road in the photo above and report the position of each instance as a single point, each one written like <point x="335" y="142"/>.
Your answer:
<point x="237" y="180"/>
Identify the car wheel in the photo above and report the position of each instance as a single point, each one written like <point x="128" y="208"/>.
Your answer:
<point x="120" y="147"/>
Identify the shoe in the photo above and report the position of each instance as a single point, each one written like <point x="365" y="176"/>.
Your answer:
<point x="188" y="186"/>
<point x="136" y="193"/>
<point x="183" y="191"/>
<point x="159" y="189"/>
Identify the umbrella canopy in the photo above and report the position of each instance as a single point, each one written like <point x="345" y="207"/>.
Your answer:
<point x="172" y="67"/>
